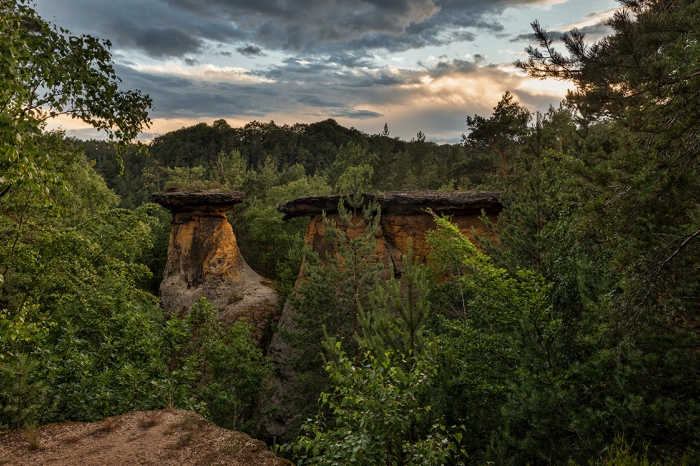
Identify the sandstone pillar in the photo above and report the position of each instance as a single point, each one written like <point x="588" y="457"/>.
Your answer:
<point x="204" y="260"/>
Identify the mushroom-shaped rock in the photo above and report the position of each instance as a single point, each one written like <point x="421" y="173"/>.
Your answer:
<point x="404" y="215"/>
<point x="204" y="260"/>
<point x="179" y="202"/>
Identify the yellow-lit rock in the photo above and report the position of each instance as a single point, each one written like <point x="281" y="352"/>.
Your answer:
<point x="204" y="260"/>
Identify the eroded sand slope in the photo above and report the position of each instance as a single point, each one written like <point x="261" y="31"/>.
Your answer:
<point x="168" y="437"/>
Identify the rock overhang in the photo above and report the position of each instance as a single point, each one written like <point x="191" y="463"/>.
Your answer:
<point x="401" y="203"/>
<point x="206" y="201"/>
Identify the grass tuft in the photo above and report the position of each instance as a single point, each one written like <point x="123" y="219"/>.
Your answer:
<point x="32" y="436"/>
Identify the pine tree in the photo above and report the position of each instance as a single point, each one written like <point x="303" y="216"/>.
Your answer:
<point x="517" y="238"/>
<point x="499" y="136"/>
<point x="376" y="410"/>
<point x="625" y="248"/>
<point x="22" y="390"/>
<point x="328" y="301"/>
<point x="397" y="314"/>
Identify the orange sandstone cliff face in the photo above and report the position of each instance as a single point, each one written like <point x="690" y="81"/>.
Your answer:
<point x="204" y="260"/>
<point x="403" y="216"/>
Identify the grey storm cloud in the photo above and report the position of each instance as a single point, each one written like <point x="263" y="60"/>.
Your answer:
<point x="324" y="89"/>
<point x="596" y="31"/>
<point x="300" y="23"/>
<point x="527" y="37"/>
<point x="593" y="33"/>
<point x="179" y="27"/>
<point x="310" y="94"/>
<point x="355" y="114"/>
<point x="329" y="60"/>
<point x="250" y="51"/>
<point x="149" y="26"/>
<point x="337" y="109"/>
<point x="159" y="41"/>
<point x="179" y="96"/>
<point x="315" y="101"/>
<point x="329" y="71"/>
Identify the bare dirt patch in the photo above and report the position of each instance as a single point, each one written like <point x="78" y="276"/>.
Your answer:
<point x="168" y="437"/>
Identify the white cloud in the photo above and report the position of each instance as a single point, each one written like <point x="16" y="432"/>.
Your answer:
<point x="549" y="87"/>
<point x="548" y="4"/>
<point x="206" y="72"/>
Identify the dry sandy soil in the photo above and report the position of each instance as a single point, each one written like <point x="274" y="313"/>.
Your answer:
<point x="169" y="437"/>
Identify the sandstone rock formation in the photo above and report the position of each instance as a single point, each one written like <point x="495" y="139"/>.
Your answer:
<point x="403" y="216"/>
<point x="204" y="260"/>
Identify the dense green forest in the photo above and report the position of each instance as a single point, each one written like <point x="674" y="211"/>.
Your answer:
<point x="568" y="336"/>
<point x="271" y="164"/>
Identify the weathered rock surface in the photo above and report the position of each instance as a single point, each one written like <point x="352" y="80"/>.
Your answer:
<point x="202" y="201"/>
<point x="147" y="438"/>
<point x="204" y="260"/>
<point x="282" y="401"/>
<point x="403" y="216"/>
<point x="401" y="203"/>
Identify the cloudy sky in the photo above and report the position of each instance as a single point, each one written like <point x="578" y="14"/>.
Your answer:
<point x="418" y="65"/>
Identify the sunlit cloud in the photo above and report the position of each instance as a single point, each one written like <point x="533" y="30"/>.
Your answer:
<point x="592" y="19"/>
<point x="435" y="100"/>
<point x="548" y="4"/>
<point x="548" y="87"/>
<point x="203" y="72"/>
<point x="67" y="123"/>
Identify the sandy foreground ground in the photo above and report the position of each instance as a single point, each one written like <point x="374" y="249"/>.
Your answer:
<point x="168" y="437"/>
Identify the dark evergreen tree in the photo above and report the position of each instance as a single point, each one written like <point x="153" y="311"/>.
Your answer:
<point x="380" y="393"/>
<point x="499" y="136"/>
<point x="328" y="301"/>
<point x="517" y="239"/>
<point x="624" y="247"/>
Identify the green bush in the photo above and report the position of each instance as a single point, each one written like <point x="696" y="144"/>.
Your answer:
<point x="219" y="369"/>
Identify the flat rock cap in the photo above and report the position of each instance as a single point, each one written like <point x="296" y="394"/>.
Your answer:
<point x="401" y="202"/>
<point x="201" y="201"/>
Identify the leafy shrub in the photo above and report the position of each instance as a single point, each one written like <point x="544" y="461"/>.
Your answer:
<point x="369" y="416"/>
<point x="220" y="369"/>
